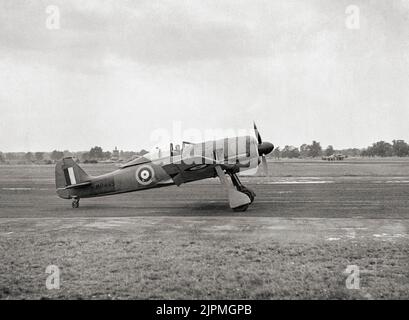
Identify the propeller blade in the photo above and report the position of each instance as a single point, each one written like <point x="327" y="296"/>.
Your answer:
<point x="263" y="148"/>
<point x="265" y="167"/>
<point x="257" y="134"/>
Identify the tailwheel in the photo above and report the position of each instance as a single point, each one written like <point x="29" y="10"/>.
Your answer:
<point x="75" y="203"/>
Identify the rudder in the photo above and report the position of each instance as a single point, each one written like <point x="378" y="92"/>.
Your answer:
<point x="68" y="172"/>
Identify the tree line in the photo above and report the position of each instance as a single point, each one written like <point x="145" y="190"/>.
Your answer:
<point x="94" y="155"/>
<point x="398" y="148"/>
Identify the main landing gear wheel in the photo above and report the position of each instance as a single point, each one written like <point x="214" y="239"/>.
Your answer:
<point x="238" y="200"/>
<point x="237" y="183"/>
<point x="241" y="208"/>
<point x="249" y="193"/>
<point x="75" y="203"/>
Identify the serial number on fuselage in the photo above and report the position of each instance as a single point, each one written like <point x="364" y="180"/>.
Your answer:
<point x="103" y="185"/>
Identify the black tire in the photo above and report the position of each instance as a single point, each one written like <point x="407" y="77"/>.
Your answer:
<point x="241" y="208"/>
<point x="250" y="195"/>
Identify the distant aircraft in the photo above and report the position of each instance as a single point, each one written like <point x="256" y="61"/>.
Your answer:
<point x="334" y="157"/>
<point x="192" y="162"/>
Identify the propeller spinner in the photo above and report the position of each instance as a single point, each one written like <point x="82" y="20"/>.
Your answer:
<point x="264" y="148"/>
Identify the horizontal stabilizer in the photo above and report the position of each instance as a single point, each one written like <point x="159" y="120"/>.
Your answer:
<point x="78" y="185"/>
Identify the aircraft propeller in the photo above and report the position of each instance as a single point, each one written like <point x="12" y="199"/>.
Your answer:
<point x="263" y="148"/>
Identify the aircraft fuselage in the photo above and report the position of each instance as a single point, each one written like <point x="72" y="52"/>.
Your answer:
<point x="191" y="164"/>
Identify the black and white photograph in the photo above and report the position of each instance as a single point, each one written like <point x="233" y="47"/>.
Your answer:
<point x="204" y="150"/>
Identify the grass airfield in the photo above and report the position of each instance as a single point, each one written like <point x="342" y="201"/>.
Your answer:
<point x="310" y="220"/>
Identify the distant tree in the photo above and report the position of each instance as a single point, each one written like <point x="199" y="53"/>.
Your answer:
<point x="381" y="149"/>
<point x="142" y="152"/>
<point x="366" y="152"/>
<point x="2" y="159"/>
<point x="56" y="155"/>
<point x="10" y="156"/>
<point x="304" y="150"/>
<point x="400" y="148"/>
<point x="29" y="156"/>
<point x="96" y="153"/>
<point x="351" y="152"/>
<point x="126" y="155"/>
<point x="329" y="151"/>
<point x="290" y="152"/>
<point x="315" y="149"/>
<point x="85" y="156"/>
<point x="39" y="156"/>
<point x="276" y="153"/>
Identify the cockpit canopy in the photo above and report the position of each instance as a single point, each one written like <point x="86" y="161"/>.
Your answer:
<point x="157" y="153"/>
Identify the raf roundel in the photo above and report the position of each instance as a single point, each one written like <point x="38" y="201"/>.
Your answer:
<point x="144" y="175"/>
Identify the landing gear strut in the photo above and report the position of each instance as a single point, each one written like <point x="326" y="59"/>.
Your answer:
<point x="241" y="188"/>
<point x="239" y="196"/>
<point x="76" y="203"/>
<point x="237" y="183"/>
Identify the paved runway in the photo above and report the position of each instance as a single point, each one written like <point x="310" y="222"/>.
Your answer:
<point x="358" y="197"/>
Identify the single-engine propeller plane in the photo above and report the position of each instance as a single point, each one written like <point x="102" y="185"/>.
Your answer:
<point x="194" y="161"/>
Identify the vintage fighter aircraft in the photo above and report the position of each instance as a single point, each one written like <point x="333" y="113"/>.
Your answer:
<point x="194" y="161"/>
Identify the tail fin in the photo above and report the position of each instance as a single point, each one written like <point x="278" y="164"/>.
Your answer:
<point x="68" y="172"/>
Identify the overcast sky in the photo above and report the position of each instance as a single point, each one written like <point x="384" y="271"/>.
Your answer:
<point x="117" y="71"/>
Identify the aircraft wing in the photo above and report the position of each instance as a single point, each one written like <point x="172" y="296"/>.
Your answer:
<point x="190" y="169"/>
